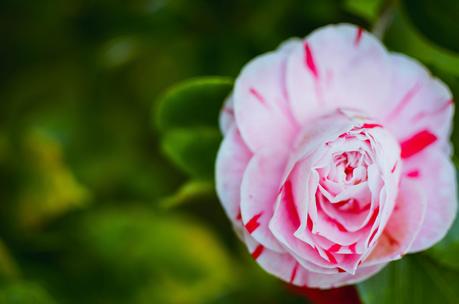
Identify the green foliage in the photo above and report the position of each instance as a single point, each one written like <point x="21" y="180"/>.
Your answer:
<point x="413" y="279"/>
<point x="24" y="293"/>
<point x="193" y="103"/>
<point x="165" y="259"/>
<point x="187" y="115"/>
<point x="436" y="20"/>
<point x="368" y="9"/>
<point x="193" y="150"/>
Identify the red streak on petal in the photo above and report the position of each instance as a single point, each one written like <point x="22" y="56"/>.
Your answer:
<point x="390" y="238"/>
<point x="371" y="125"/>
<point x="413" y="174"/>
<point x="253" y="223"/>
<point x="309" y="60"/>
<point x="309" y="223"/>
<point x="444" y="107"/>
<point x="330" y="257"/>
<point x="257" y="95"/>
<point x="372" y="235"/>
<point x="358" y="36"/>
<point x="374" y="216"/>
<point x="340" y="269"/>
<point x="334" y="248"/>
<point x="239" y="216"/>
<point x="290" y="204"/>
<point x="352" y="247"/>
<point x="417" y="143"/>
<point x="405" y="100"/>
<point x="394" y="167"/>
<point x="338" y="225"/>
<point x="228" y="111"/>
<point x="257" y="252"/>
<point x="294" y="271"/>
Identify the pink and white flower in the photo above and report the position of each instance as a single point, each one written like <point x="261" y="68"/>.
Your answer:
<point x="336" y="158"/>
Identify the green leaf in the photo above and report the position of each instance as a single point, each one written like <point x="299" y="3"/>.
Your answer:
<point x="49" y="187"/>
<point x="190" y="191"/>
<point x="195" y="102"/>
<point x="8" y="268"/>
<point x="24" y="292"/>
<point x="413" y="279"/>
<point x="367" y="9"/>
<point x="437" y="20"/>
<point x="167" y="259"/>
<point x="193" y="150"/>
<point x="403" y="37"/>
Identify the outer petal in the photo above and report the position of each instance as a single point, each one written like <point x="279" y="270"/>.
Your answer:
<point x="226" y="119"/>
<point x="281" y="265"/>
<point x="259" y="189"/>
<point x="232" y="159"/>
<point x="417" y="101"/>
<point x="435" y="174"/>
<point x="323" y="281"/>
<point x="284" y="266"/>
<point x="260" y="101"/>
<point x="338" y="66"/>
<point x="403" y="226"/>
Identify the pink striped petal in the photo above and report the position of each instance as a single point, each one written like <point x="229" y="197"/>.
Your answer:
<point x="330" y="70"/>
<point x="259" y="189"/>
<point x="437" y="181"/>
<point x="403" y="226"/>
<point x="232" y="160"/>
<point x="226" y="119"/>
<point x="260" y="102"/>
<point x="417" y="101"/>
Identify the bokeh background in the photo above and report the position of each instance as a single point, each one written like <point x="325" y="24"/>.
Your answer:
<point x="106" y="174"/>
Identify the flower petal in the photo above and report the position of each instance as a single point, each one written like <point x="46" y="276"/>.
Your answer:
<point x="417" y="101"/>
<point x="232" y="159"/>
<point x="226" y="119"/>
<point x="436" y="178"/>
<point x="259" y="189"/>
<point x="403" y="225"/>
<point x="323" y="281"/>
<point x="331" y="70"/>
<point x="260" y="102"/>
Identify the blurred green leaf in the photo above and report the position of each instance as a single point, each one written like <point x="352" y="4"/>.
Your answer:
<point x="167" y="259"/>
<point x="413" y="279"/>
<point x="437" y="20"/>
<point x="192" y="190"/>
<point x="193" y="150"/>
<point x="195" y="102"/>
<point x="8" y="267"/>
<point x="24" y="293"/>
<point x="368" y="9"/>
<point x="50" y="189"/>
<point x="403" y="37"/>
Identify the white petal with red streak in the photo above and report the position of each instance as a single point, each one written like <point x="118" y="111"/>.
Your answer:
<point x="324" y="281"/>
<point x="260" y="185"/>
<point x="417" y="101"/>
<point x="226" y="119"/>
<point x="403" y="226"/>
<point x="260" y="103"/>
<point x="437" y="180"/>
<point x="331" y="70"/>
<point x="232" y="160"/>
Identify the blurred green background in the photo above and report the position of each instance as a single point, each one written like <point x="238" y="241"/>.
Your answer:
<point x="106" y="182"/>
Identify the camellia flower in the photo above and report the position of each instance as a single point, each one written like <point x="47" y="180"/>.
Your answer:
<point x="336" y="158"/>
